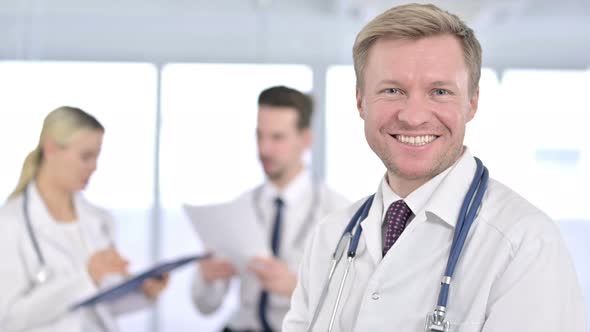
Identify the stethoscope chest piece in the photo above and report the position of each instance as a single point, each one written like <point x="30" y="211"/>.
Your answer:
<point x="435" y="322"/>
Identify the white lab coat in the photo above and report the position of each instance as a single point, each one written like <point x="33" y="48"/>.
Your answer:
<point x="297" y="229"/>
<point x="514" y="273"/>
<point x="44" y="308"/>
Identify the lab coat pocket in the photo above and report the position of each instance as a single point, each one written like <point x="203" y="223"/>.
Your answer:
<point x="468" y="326"/>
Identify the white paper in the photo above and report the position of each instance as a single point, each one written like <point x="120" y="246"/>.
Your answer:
<point x="230" y="230"/>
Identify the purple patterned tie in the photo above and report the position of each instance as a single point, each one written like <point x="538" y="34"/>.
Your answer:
<point x="396" y="217"/>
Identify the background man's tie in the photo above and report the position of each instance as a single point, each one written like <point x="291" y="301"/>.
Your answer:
<point x="275" y="242"/>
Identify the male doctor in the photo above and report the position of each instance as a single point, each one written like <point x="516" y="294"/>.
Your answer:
<point x="288" y="206"/>
<point x="417" y="70"/>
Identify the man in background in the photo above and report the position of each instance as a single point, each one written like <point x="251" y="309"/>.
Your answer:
<point x="288" y="205"/>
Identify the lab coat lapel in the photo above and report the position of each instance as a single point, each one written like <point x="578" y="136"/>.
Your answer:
<point x="43" y="223"/>
<point x="372" y="230"/>
<point x="94" y="229"/>
<point x="94" y="225"/>
<point x="313" y="215"/>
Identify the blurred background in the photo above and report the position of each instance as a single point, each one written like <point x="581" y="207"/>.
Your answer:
<point x="175" y="83"/>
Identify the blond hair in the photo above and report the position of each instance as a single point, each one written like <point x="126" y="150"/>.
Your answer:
<point x="415" y="21"/>
<point x="61" y="126"/>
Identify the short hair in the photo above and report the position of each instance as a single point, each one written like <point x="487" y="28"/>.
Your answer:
<point x="415" y="21"/>
<point x="282" y="96"/>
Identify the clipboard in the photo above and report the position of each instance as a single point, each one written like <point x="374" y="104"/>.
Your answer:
<point x="133" y="283"/>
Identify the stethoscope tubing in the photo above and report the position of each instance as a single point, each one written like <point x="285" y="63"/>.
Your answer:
<point x="467" y="214"/>
<point x="350" y="259"/>
<point x="353" y="241"/>
<point x="469" y="209"/>
<point x="336" y="257"/>
<point x="359" y="229"/>
<point x="30" y="231"/>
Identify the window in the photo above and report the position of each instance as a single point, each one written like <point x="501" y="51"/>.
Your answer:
<point x="543" y="144"/>
<point x="352" y="168"/>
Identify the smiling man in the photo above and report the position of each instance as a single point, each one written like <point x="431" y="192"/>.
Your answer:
<point x="418" y="70"/>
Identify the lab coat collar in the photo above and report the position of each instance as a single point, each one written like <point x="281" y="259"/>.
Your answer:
<point x="39" y="215"/>
<point x="372" y="230"/>
<point x="45" y="225"/>
<point x="417" y="199"/>
<point x="447" y="199"/>
<point x="444" y="203"/>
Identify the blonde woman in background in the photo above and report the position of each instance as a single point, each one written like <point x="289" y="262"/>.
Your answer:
<point x="56" y="247"/>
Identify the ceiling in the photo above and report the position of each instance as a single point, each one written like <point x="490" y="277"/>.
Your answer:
<point x="471" y="10"/>
<point x="545" y="33"/>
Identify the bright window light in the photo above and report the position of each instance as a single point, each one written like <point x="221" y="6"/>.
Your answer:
<point x="542" y="139"/>
<point x="352" y="168"/>
<point x="121" y="96"/>
<point x="209" y="126"/>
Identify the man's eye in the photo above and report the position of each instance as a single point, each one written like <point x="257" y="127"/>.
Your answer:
<point x="391" y="91"/>
<point x="441" y="92"/>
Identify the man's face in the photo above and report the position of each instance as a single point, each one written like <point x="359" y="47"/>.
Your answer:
<point x="280" y="143"/>
<point x="415" y="103"/>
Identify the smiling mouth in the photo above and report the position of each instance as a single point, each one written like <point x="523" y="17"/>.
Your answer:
<point x="415" y="140"/>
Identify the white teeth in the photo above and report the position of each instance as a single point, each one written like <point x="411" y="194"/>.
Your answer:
<point x="415" y="140"/>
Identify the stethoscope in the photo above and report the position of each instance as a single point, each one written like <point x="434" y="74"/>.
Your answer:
<point x="42" y="274"/>
<point x="435" y="321"/>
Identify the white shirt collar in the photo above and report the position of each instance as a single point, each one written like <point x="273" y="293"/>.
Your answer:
<point x="431" y="197"/>
<point x="291" y="193"/>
